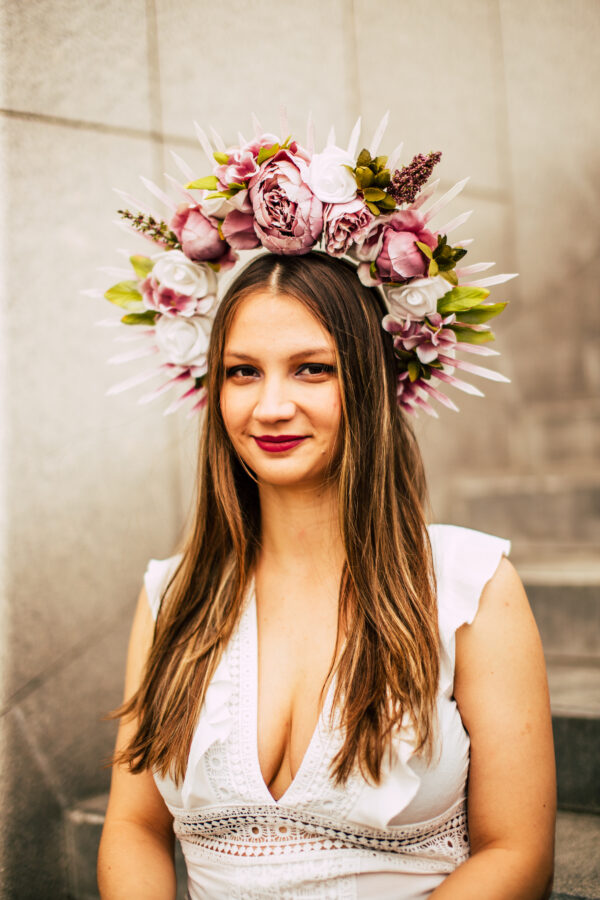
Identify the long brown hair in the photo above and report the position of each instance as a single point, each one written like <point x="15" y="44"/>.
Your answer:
<point x="387" y="590"/>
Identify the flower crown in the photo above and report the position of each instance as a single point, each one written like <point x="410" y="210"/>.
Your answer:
<point x="289" y="199"/>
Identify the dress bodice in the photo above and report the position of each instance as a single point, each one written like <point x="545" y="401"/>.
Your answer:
<point x="398" y="839"/>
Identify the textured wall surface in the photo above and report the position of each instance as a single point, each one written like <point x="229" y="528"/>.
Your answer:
<point x="93" y="94"/>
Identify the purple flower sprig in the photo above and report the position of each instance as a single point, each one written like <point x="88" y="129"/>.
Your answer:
<point x="152" y="228"/>
<point x="408" y="181"/>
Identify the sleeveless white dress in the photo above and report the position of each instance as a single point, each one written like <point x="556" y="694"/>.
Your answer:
<point x="397" y="840"/>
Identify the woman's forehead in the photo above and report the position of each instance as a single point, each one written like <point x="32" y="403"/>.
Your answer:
<point x="269" y="321"/>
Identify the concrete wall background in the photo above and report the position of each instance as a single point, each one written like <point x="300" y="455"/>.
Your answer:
<point x="92" y="95"/>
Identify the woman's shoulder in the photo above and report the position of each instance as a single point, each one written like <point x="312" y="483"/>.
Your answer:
<point x="156" y="579"/>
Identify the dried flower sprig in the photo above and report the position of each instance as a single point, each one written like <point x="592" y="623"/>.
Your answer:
<point x="155" y="229"/>
<point x="408" y="181"/>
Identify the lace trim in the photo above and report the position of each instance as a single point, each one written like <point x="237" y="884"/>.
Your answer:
<point x="266" y="831"/>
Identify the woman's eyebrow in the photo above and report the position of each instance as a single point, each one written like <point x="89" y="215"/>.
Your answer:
<point x="299" y="354"/>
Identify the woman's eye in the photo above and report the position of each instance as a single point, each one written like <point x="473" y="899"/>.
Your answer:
<point x="317" y="369"/>
<point x="240" y="371"/>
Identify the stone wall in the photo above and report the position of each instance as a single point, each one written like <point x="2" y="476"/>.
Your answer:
<point x="92" y="95"/>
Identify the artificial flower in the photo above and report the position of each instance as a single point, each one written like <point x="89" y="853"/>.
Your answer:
<point x="343" y="224"/>
<point x="329" y="177"/>
<point x="184" y="342"/>
<point x="417" y="299"/>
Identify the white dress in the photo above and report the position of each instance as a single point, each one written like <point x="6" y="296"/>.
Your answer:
<point x="396" y="840"/>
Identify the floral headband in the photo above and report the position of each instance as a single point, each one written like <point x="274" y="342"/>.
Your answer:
<point x="289" y="199"/>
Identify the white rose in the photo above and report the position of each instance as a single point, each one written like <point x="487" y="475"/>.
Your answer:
<point x="418" y="299"/>
<point x="172" y="269"/>
<point x="184" y="342"/>
<point x="329" y="179"/>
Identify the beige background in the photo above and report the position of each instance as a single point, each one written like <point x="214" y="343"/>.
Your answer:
<point x="94" y="94"/>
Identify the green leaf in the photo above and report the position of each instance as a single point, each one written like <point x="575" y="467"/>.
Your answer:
<point x="448" y="274"/>
<point x="204" y="184"/>
<point x="266" y="153"/>
<point x="468" y="336"/>
<point x="373" y="269"/>
<point x="480" y="314"/>
<point x="374" y="195"/>
<point x="364" y="158"/>
<point x="461" y="298"/>
<point x="364" y="177"/>
<point x="236" y="186"/>
<point x="124" y="294"/>
<point x="221" y="158"/>
<point x="388" y="203"/>
<point x="145" y="318"/>
<point x="380" y="163"/>
<point x="413" y="369"/>
<point x="383" y="179"/>
<point x="142" y="265"/>
<point x="374" y="209"/>
<point x="425" y="249"/>
<point x="434" y="269"/>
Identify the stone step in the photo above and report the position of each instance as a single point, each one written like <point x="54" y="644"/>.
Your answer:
<point x="577" y="872"/>
<point x="575" y="702"/>
<point x="564" y="593"/>
<point x="555" y="505"/>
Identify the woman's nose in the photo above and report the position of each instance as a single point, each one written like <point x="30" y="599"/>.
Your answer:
<point x="274" y="402"/>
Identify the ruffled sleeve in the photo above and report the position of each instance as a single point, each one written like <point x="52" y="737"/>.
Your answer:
<point x="464" y="561"/>
<point x="156" y="578"/>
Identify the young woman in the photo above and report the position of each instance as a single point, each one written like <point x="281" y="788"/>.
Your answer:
<point x="321" y="690"/>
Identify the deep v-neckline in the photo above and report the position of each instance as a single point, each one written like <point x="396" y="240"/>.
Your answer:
<point x="312" y="759"/>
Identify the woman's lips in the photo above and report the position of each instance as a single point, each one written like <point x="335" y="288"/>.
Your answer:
<point x="278" y="443"/>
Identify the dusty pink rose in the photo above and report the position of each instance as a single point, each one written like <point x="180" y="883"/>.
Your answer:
<point x="399" y="257"/>
<point x="240" y="166"/>
<point x="200" y="238"/>
<point x="289" y="218"/>
<point x="167" y="301"/>
<point x="239" y="232"/>
<point x="343" y="224"/>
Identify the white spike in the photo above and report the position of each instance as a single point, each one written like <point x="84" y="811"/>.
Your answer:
<point x="331" y="137"/>
<point x="354" y="138"/>
<point x="204" y="143"/>
<point x="179" y="402"/>
<point x="116" y="272"/>
<point x="394" y="157"/>
<point x="125" y="226"/>
<point x="107" y="323"/>
<point x="424" y="405"/>
<point x="493" y="279"/>
<point x="158" y="193"/>
<point x="217" y="140"/>
<point x="132" y="354"/>
<point x="140" y="378"/>
<point x="310" y="133"/>
<point x="458" y="383"/>
<point x="241" y="139"/>
<point x="379" y="132"/>
<point x="466" y="242"/>
<point x="474" y="370"/>
<point x="445" y="199"/>
<point x="439" y="396"/>
<point x="472" y="270"/>
<point x="183" y="167"/>
<point x="455" y="223"/>
<point x="479" y="349"/>
<point x="131" y="201"/>
<point x="258" y="129"/>
<point x="425" y="194"/>
<point x="284" y="125"/>
<point x="94" y="293"/>
<point x="180" y="189"/>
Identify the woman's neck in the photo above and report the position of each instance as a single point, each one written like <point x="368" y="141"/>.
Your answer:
<point x="300" y="529"/>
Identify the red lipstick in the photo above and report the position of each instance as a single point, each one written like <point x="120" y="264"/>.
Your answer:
<point x="278" y="443"/>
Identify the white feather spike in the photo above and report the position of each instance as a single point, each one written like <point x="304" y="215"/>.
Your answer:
<point x="132" y="354"/>
<point x="179" y="402"/>
<point x="135" y="335"/>
<point x="94" y="293"/>
<point x="466" y="242"/>
<point x="140" y="378"/>
<point x="161" y="389"/>
<point x="354" y="138"/>
<point x="474" y="370"/>
<point x="331" y="137"/>
<point x="116" y="272"/>
<point x="424" y="405"/>
<point x="425" y="194"/>
<point x="439" y="396"/>
<point x="183" y="167"/>
<point x="472" y="270"/>
<point x="379" y="132"/>
<point x="160" y="194"/>
<point x="310" y="133"/>
<point x="479" y="349"/>
<point x="455" y="223"/>
<point x="131" y="201"/>
<point x="204" y="142"/>
<point x="241" y="139"/>
<point x="107" y="323"/>
<point x="394" y="157"/>
<point x="458" y="383"/>
<point x="493" y="279"/>
<point x="284" y="125"/>
<point x="180" y="189"/>
<point x="217" y="140"/>
<point x="125" y="226"/>
<point x="258" y="129"/>
<point x="445" y="199"/>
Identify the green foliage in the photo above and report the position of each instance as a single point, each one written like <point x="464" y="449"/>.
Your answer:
<point x="209" y="183"/>
<point x="125" y="294"/>
<point x="461" y="298"/>
<point x="266" y="153"/>
<point x="142" y="265"/>
<point x="372" y="179"/>
<point x="468" y="336"/>
<point x="221" y="158"/>
<point x="480" y="314"/>
<point x="148" y="317"/>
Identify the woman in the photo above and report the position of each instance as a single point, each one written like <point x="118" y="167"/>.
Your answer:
<point x="323" y="671"/>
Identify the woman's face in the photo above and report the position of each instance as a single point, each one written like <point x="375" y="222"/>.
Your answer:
<point x="280" y="398"/>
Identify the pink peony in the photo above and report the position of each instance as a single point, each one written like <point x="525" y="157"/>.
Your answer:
<point x="344" y="223"/>
<point x="238" y="229"/>
<point x="399" y="258"/>
<point x="171" y="303"/>
<point x="289" y="218"/>
<point x="240" y="166"/>
<point x="200" y="238"/>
